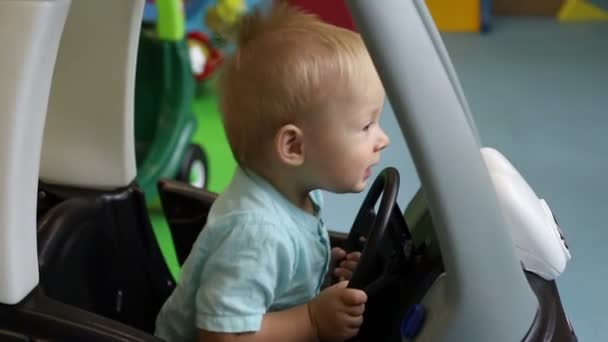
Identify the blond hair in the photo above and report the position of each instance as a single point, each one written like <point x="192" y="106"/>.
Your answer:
<point x="284" y="69"/>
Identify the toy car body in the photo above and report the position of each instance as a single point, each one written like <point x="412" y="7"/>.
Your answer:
<point x="451" y="269"/>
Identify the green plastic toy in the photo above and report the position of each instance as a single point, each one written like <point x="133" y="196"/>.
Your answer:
<point x="164" y="91"/>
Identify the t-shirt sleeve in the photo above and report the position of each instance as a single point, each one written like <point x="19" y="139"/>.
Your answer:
<point x="241" y="275"/>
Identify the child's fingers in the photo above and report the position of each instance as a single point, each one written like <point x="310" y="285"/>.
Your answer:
<point x="353" y="321"/>
<point x="349" y="264"/>
<point x="337" y="253"/>
<point x="349" y="332"/>
<point x="343" y="273"/>
<point x="355" y="310"/>
<point x="355" y="256"/>
<point x="353" y="297"/>
<point x="342" y="284"/>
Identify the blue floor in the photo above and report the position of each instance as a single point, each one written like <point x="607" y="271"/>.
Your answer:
<point x="538" y="91"/>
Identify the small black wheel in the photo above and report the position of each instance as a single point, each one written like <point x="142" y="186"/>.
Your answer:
<point x="193" y="169"/>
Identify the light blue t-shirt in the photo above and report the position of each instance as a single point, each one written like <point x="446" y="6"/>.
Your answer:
<point x="258" y="253"/>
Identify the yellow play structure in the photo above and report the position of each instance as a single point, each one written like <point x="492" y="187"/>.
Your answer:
<point x="581" y="10"/>
<point x="469" y="15"/>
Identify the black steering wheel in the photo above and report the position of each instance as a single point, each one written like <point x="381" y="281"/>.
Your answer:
<point x="387" y="185"/>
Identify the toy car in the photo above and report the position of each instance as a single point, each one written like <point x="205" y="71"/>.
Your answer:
<point x="452" y="269"/>
<point x="164" y="91"/>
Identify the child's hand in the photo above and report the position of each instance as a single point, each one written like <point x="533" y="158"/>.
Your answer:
<point x="347" y="263"/>
<point x="337" y="312"/>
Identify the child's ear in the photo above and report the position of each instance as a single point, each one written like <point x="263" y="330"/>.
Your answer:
<point x="289" y="144"/>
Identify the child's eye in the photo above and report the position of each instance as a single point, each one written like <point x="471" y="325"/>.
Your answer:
<point x="368" y="126"/>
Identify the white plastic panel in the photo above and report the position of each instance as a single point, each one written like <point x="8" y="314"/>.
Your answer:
<point x="536" y="235"/>
<point x="89" y="134"/>
<point x="29" y="36"/>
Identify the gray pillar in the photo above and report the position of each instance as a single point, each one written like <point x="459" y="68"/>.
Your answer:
<point x="484" y="295"/>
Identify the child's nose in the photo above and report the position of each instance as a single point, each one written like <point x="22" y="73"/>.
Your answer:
<point x="383" y="141"/>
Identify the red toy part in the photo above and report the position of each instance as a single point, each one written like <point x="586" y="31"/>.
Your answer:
<point x="214" y="56"/>
<point x="333" y="12"/>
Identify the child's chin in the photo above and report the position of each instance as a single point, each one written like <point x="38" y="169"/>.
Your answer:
<point x="353" y="188"/>
<point x="360" y="187"/>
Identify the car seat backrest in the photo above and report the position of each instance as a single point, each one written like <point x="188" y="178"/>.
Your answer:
<point x="186" y="209"/>
<point x="100" y="254"/>
<point x="88" y="137"/>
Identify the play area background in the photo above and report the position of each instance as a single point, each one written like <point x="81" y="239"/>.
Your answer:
<point x="536" y="85"/>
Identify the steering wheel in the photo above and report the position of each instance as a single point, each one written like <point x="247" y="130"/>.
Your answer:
<point x="387" y="185"/>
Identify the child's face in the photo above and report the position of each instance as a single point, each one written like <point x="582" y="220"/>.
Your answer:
<point x="345" y="141"/>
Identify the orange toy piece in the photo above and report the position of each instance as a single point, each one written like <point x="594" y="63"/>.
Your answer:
<point x="456" y="15"/>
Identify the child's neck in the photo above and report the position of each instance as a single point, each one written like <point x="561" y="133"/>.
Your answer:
<point x="288" y="186"/>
